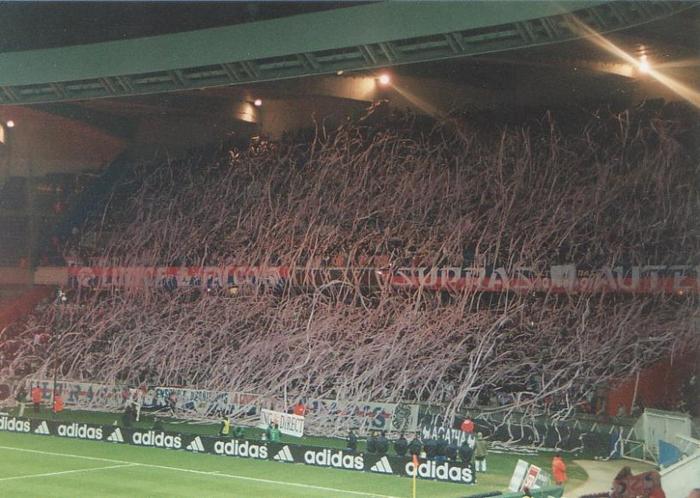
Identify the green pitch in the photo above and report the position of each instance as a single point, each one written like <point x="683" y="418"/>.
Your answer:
<point x="45" y="466"/>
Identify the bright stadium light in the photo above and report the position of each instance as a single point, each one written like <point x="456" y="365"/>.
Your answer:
<point x="644" y="66"/>
<point x="384" y="79"/>
<point x="257" y="102"/>
<point x="10" y="124"/>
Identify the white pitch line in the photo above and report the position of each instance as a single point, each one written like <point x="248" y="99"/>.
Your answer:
<point x="50" y="474"/>
<point x="200" y="472"/>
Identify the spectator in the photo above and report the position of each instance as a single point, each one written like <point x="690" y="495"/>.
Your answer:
<point x="352" y="442"/>
<point x="274" y="436"/>
<point x="652" y="486"/>
<point x="172" y="402"/>
<point x="401" y="445"/>
<point x="36" y="398"/>
<point x="382" y="444"/>
<point x="225" y="427"/>
<point x="559" y="470"/>
<point x="372" y="443"/>
<point x="441" y="448"/>
<point x="467" y="425"/>
<point x="466" y="451"/>
<point x="480" y="453"/>
<point x="451" y="450"/>
<point x="238" y="432"/>
<point x="430" y="446"/>
<point x="299" y="409"/>
<point x="57" y="403"/>
<point x="415" y="445"/>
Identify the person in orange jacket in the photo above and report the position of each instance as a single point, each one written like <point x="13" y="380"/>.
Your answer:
<point x="299" y="409"/>
<point x="36" y="398"/>
<point x="57" y="403"/>
<point x="559" y="470"/>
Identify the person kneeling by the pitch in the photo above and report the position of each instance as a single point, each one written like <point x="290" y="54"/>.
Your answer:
<point x="352" y="442"/>
<point x="401" y="445"/>
<point x="372" y="442"/>
<point x="225" y="427"/>
<point x="480" y="453"/>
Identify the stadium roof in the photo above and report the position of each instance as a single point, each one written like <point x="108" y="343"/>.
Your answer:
<point x="441" y="55"/>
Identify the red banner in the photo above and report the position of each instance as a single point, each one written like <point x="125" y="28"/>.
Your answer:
<point x="560" y="279"/>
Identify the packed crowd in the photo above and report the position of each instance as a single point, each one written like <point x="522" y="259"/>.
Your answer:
<point x="612" y="191"/>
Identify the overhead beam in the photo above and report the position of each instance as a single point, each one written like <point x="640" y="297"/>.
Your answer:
<point x="364" y="37"/>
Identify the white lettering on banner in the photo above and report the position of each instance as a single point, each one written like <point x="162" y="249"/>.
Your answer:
<point x="337" y="459"/>
<point x="558" y="278"/>
<point x="368" y="416"/>
<point x="203" y="403"/>
<point x="244" y="449"/>
<point x="13" y="424"/>
<point x="441" y="471"/>
<point x="292" y="425"/>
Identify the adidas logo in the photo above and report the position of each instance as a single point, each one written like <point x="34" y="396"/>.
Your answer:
<point x="43" y="428"/>
<point x="116" y="436"/>
<point x="338" y="459"/>
<point x="196" y="445"/>
<point x="284" y="455"/>
<point x="14" y="424"/>
<point x="382" y="466"/>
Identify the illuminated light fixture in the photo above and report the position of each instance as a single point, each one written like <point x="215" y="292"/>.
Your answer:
<point x="384" y="79"/>
<point x="257" y="102"/>
<point x="340" y="72"/>
<point x="10" y="124"/>
<point x="644" y="66"/>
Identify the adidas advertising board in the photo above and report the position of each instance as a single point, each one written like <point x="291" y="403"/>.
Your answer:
<point x="116" y="436"/>
<point x="42" y="428"/>
<point x="287" y="453"/>
<point x="245" y="449"/>
<point x="14" y="424"/>
<point x="80" y="431"/>
<point x="157" y="439"/>
<point x="196" y="445"/>
<point x="334" y="458"/>
<point x="445" y="471"/>
<point x="383" y="466"/>
<point x="284" y="454"/>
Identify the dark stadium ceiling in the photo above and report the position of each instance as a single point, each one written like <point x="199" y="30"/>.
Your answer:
<point x="591" y="72"/>
<point x="37" y="25"/>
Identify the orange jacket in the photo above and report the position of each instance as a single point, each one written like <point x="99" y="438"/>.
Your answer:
<point x="36" y="395"/>
<point x="58" y="404"/>
<point x="559" y="469"/>
<point x="299" y="409"/>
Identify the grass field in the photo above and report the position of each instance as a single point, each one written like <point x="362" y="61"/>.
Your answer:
<point x="46" y="466"/>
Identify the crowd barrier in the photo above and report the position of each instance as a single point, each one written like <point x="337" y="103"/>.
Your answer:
<point x="455" y="472"/>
